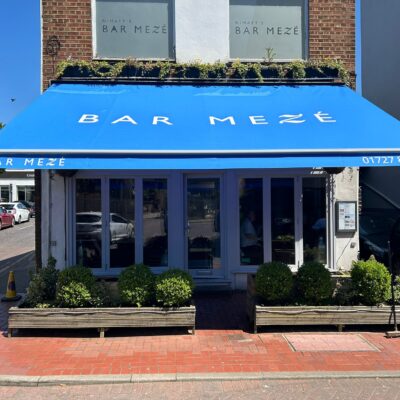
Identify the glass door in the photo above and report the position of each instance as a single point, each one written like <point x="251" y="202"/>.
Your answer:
<point x="203" y="226"/>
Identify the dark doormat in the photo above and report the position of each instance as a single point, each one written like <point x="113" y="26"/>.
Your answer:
<point x="221" y="310"/>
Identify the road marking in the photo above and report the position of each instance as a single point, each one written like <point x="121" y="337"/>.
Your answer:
<point x="4" y="269"/>
<point x="25" y="227"/>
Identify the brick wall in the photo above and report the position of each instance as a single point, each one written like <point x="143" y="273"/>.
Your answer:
<point x="331" y="31"/>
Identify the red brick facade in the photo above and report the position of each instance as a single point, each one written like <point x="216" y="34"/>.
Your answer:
<point x="331" y="31"/>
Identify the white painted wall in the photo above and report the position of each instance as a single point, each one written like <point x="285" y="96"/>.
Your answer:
<point x="380" y="57"/>
<point x="202" y="30"/>
<point x="346" y="245"/>
<point x="15" y="183"/>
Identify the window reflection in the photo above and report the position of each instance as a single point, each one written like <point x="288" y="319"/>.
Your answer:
<point x="282" y="220"/>
<point x="203" y="219"/>
<point x="251" y="221"/>
<point x="88" y="222"/>
<point x="314" y="219"/>
<point x="122" y="222"/>
<point x="155" y="222"/>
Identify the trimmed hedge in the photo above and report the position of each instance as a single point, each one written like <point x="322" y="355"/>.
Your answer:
<point x="370" y="282"/>
<point x="274" y="282"/>
<point x="136" y="285"/>
<point x="314" y="284"/>
<point x="174" y="288"/>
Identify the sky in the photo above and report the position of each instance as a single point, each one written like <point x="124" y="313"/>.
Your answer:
<point x="20" y="55"/>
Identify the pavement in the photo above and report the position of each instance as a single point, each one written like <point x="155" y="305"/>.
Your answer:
<point x="71" y="357"/>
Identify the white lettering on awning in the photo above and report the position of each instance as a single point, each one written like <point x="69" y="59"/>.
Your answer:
<point x="230" y="119"/>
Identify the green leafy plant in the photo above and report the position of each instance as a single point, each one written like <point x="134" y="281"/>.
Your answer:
<point x="42" y="286"/>
<point x="74" y="294"/>
<point x="136" y="285"/>
<point x="174" y="288"/>
<point x="78" y="281"/>
<point x="239" y="69"/>
<point x="371" y="282"/>
<point x="132" y="68"/>
<point x="314" y="284"/>
<point x="274" y="282"/>
<point x="255" y="71"/>
<point x="296" y="70"/>
<point x="397" y="290"/>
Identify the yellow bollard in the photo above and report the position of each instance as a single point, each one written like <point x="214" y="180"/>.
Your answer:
<point x="11" y="293"/>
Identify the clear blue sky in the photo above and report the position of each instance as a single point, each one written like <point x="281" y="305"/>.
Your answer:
<point x="20" y="55"/>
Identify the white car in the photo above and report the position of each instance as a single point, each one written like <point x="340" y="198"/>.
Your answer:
<point x="89" y="227"/>
<point x="20" y="212"/>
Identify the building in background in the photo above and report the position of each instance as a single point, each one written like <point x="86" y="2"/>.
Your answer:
<point x="380" y="84"/>
<point x="17" y="185"/>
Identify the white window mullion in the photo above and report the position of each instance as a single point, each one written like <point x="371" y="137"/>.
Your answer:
<point x="139" y="220"/>
<point x="267" y="219"/>
<point x="105" y="237"/>
<point x="298" y="213"/>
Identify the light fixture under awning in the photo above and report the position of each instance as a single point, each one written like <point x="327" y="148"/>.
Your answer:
<point x="82" y="126"/>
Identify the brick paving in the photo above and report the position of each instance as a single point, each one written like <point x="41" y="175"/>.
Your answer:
<point x="233" y="349"/>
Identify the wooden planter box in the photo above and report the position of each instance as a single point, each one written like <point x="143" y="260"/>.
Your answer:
<point x="100" y="318"/>
<point x="314" y="315"/>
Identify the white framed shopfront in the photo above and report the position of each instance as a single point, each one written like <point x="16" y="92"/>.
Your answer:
<point x="230" y="264"/>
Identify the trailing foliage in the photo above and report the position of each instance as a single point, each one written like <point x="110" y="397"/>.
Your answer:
<point x="77" y="287"/>
<point x="136" y="285"/>
<point x="237" y="70"/>
<point x="274" y="282"/>
<point x="371" y="282"/>
<point x="174" y="288"/>
<point x="314" y="285"/>
<point x="42" y="286"/>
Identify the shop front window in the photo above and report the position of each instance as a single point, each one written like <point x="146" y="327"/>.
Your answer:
<point x="89" y="223"/>
<point x="251" y="221"/>
<point x="314" y="220"/>
<point x="26" y="193"/>
<point x="283" y="220"/>
<point x="5" y="193"/>
<point x="134" y="28"/>
<point x="267" y="29"/>
<point x="155" y="222"/>
<point x="122" y="222"/>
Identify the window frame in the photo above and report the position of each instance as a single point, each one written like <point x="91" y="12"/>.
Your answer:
<point x="266" y="177"/>
<point x="105" y="177"/>
<point x="172" y="38"/>
<point x="306" y="48"/>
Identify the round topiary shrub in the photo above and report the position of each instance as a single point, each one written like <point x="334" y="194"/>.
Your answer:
<point x="274" y="282"/>
<point x="314" y="283"/>
<point x="174" y="288"/>
<point x="371" y="282"/>
<point x="77" y="287"/>
<point x="136" y="285"/>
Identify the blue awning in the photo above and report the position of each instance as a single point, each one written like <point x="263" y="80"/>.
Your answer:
<point x="82" y="126"/>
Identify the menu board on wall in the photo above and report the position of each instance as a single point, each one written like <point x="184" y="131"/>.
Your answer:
<point x="346" y="216"/>
<point x="267" y="29"/>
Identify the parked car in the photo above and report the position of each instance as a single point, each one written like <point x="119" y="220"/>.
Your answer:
<point x="30" y="206"/>
<point x="18" y="210"/>
<point x="89" y="227"/>
<point x="6" y="219"/>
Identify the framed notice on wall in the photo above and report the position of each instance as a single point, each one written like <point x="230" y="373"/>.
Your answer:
<point x="346" y="216"/>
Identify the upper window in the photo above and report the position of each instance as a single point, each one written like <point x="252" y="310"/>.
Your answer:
<point x="133" y="28"/>
<point x="267" y="29"/>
